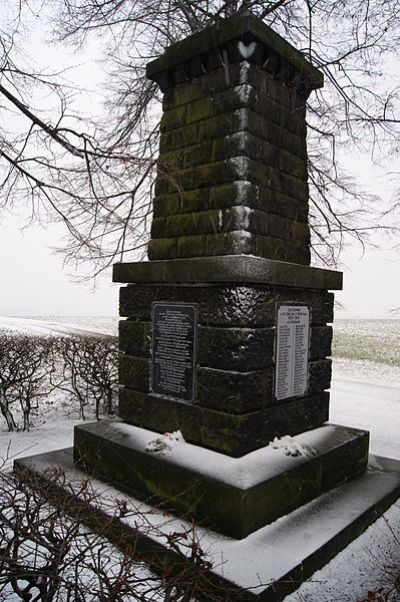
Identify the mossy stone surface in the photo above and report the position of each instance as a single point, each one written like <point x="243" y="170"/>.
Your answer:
<point x="164" y="205"/>
<point x="232" y="434"/>
<point x="237" y="242"/>
<point x="239" y="27"/>
<point x="235" y="348"/>
<point x="282" y="250"/>
<point x="162" y="248"/>
<point x="173" y="119"/>
<point x="320" y="342"/>
<point x="225" y="348"/>
<point x="134" y="337"/>
<point x="191" y="246"/>
<point x="231" y="194"/>
<point x="231" y="505"/>
<point x="237" y="391"/>
<point x="134" y="371"/>
<point x="228" y="124"/>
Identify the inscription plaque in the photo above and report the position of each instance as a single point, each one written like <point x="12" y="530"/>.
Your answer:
<point x="293" y="331"/>
<point x="174" y="334"/>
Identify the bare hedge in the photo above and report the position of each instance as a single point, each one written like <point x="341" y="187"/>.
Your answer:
<point x="35" y="371"/>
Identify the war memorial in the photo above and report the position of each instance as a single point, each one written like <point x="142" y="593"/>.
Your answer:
<point x="226" y="336"/>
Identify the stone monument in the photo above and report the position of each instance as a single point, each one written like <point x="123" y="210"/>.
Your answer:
<point x="227" y="337"/>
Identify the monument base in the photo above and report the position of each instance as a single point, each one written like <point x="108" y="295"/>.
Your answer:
<point x="268" y="564"/>
<point x="235" y="496"/>
<point x="232" y="434"/>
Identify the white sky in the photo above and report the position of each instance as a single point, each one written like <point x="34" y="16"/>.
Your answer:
<point x="35" y="282"/>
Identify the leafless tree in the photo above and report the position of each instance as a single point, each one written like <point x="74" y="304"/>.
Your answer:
<point x="97" y="178"/>
<point x="58" y="544"/>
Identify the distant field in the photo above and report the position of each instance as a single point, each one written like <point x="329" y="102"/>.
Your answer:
<point x="372" y="340"/>
<point x="106" y="324"/>
<point x="375" y="341"/>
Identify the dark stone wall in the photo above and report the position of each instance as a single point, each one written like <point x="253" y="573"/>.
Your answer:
<point x="235" y="366"/>
<point x="246" y="306"/>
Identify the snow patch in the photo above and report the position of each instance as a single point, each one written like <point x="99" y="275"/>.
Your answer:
<point x="53" y="327"/>
<point x="242" y="187"/>
<point x="165" y="443"/>
<point x="243" y="119"/>
<point x="243" y="92"/>
<point x="220" y="220"/>
<point x="241" y="165"/>
<point x="244" y="71"/>
<point x="291" y="447"/>
<point x="246" y="51"/>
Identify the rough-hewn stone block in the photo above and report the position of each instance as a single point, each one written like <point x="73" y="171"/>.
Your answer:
<point x="234" y="348"/>
<point x="240" y="74"/>
<point x="135" y="337"/>
<point x="225" y="348"/>
<point x="162" y="248"/>
<point x="241" y="120"/>
<point x="282" y="250"/>
<point x="192" y="223"/>
<point x="164" y="205"/>
<point x="320" y="342"/>
<point x="235" y="391"/>
<point x="171" y="162"/>
<point x="134" y="371"/>
<point x="225" y="196"/>
<point x="233" y="169"/>
<point x="198" y="154"/>
<point x="244" y="96"/>
<point x="320" y="375"/>
<point x="221" y="348"/>
<point x="192" y="246"/>
<point x="249" y="306"/>
<point x="229" y="243"/>
<point x="173" y="119"/>
<point x="256" y="148"/>
<point x="232" y="434"/>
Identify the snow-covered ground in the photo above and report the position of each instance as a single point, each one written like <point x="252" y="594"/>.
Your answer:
<point x="55" y="325"/>
<point x="365" y="395"/>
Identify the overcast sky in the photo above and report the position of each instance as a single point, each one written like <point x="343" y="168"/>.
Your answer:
<point x="35" y="282"/>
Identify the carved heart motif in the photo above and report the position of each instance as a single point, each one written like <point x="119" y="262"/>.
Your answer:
<point x="246" y="51"/>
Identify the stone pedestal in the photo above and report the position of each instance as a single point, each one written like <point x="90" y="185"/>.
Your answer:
<point x="234" y="408"/>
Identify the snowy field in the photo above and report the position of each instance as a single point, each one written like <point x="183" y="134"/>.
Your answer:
<point x="365" y="394"/>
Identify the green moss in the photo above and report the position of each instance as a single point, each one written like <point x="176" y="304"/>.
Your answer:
<point x="194" y="200"/>
<point x="162" y="248"/>
<point x="173" y="119"/>
<point x="237" y="242"/>
<point x="191" y="246"/>
<point x="200" y="109"/>
<point x="164" y="205"/>
<point x="198" y="154"/>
